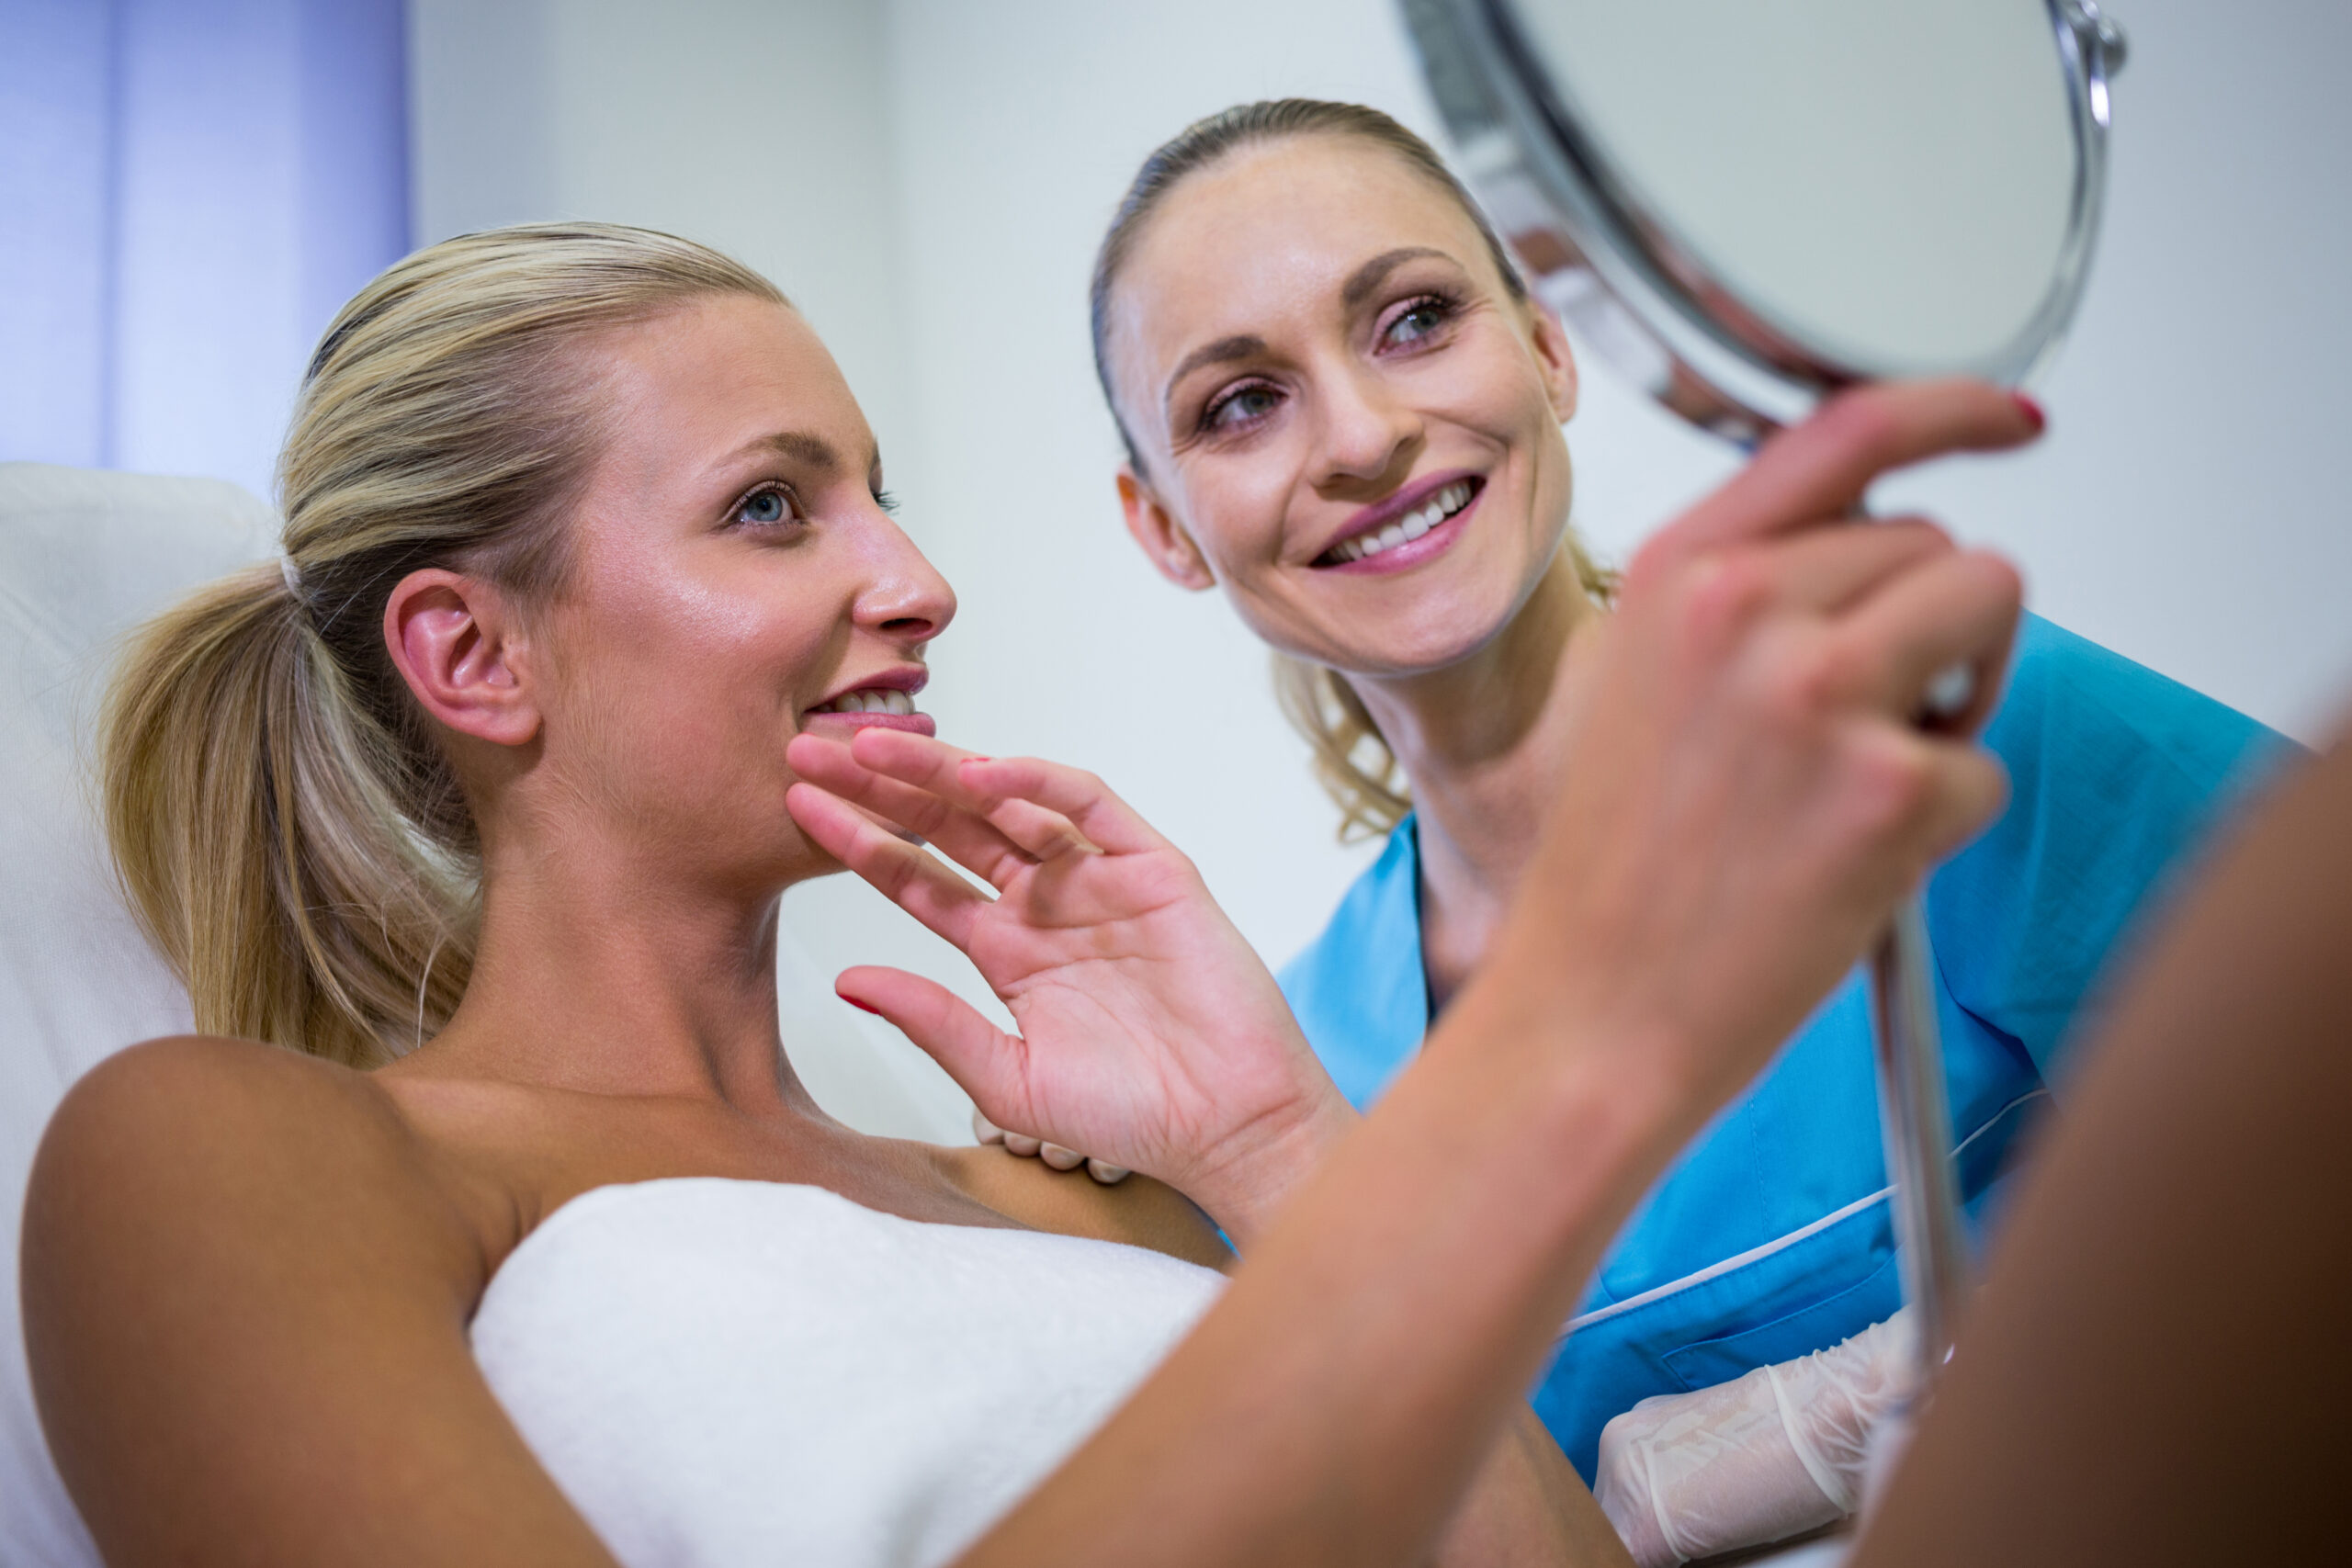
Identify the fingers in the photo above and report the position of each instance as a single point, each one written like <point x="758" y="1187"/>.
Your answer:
<point x="1958" y="789"/>
<point x="1054" y="1155"/>
<point x="907" y="875"/>
<point x="1829" y="569"/>
<point x="982" y="1059"/>
<point x="1085" y="801"/>
<point x="1018" y="795"/>
<point x="1822" y="468"/>
<point x="1955" y="610"/>
<point x="963" y="836"/>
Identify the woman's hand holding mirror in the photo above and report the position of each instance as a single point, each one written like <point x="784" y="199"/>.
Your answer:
<point x="1763" y="795"/>
<point x="1151" y="1036"/>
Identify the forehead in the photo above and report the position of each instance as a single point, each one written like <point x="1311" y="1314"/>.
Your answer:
<point x="693" y="384"/>
<point x="1273" y="230"/>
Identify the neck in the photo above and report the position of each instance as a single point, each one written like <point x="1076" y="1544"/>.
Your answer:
<point x="1484" y="741"/>
<point x="599" y="973"/>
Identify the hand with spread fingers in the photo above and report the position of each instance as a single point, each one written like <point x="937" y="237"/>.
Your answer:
<point x="1151" y="1036"/>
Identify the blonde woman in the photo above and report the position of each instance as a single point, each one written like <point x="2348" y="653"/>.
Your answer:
<point x="487" y="1224"/>
<point x="1342" y="409"/>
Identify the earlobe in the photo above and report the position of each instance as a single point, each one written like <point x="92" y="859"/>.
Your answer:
<point x="1557" y="358"/>
<point x="1163" y="538"/>
<point x="456" y="643"/>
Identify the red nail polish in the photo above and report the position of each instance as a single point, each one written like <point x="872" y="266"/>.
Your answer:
<point x="860" y="1006"/>
<point x="980" y="758"/>
<point x="2032" y="411"/>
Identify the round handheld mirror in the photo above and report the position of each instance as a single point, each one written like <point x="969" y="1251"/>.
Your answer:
<point x="1744" y="205"/>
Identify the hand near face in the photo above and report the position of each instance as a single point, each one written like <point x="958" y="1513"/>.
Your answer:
<point x="1151" y="1036"/>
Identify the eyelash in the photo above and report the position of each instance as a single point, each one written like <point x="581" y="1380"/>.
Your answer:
<point x="782" y="493"/>
<point x="882" y="497"/>
<point x="1444" y="306"/>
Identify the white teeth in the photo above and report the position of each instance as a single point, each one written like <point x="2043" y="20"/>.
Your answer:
<point x="873" y="700"/>
<point x="1440" y="507"/>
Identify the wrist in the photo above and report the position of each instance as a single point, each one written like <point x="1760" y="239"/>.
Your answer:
<point x="1543" y="1075"/>
<point x="1258" y="1169"/>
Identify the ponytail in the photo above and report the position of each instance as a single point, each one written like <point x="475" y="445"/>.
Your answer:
<point x="246" y="803"/>
<point x="288" y="831"/>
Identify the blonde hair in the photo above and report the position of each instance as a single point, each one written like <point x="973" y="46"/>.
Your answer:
<point x="1351" y="759"/>
<point x="285" y="827"/>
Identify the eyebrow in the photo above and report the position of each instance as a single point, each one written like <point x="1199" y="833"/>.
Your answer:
<point x="801" y="446"/>
<point x="1222" y="351"/>
<point x="1362" y="282"/>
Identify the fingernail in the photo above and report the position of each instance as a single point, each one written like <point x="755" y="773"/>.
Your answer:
<point x="860" y="1006"/>
<point x="980" y="760"/>
<point x="2032" y="411"/>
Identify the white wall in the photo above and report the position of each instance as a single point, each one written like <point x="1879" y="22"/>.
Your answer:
<point x="930" y="177"/>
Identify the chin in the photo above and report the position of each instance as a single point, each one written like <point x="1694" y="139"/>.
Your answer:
<point x="1432" y="638"/>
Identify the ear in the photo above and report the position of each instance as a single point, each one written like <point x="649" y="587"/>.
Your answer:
<point x="1163" y="538"/>
<point x="459" y="646"/>
<point x="1554" y="358"/>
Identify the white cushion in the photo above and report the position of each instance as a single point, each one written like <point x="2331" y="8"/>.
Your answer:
<point x="84" y="557"/>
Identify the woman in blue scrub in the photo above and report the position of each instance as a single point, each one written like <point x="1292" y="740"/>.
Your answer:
<point x="1342" y="408"/>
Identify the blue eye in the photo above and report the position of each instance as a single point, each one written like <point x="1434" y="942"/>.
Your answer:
<point x="1245" y="406"/>
<point x="1418" y="322"/>
<point x="770" y="505"/>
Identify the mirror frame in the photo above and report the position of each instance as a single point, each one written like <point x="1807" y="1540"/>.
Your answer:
<point x="1615" y="272"/>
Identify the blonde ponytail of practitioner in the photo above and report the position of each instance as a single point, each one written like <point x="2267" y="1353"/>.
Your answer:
<point x="287" y="829"/>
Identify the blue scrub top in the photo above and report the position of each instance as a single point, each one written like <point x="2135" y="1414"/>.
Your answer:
<point x="1770" y="1237"/>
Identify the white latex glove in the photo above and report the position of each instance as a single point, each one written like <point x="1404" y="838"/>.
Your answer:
<point x="1060" y="1158"/>
<point x="1759" y="1459"/>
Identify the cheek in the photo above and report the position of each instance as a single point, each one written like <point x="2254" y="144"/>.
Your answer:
<point x="687" y="688"/>
<point x="1236" y="507"/>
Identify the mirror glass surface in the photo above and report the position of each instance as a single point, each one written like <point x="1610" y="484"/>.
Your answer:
<point x="1888" y="183"/>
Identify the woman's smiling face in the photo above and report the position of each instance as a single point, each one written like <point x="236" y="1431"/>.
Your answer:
<point x="1345" y="416"/>
<point x="736" y="579"/>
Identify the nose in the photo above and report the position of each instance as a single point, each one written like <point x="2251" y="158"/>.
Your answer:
<point x="904" y="599"/>
<point x="1366" y="434"/>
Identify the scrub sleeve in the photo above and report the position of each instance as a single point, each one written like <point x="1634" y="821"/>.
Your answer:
<point x="1769" y="1237"/>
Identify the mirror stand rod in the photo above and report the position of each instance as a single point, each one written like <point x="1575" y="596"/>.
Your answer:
<point x="1915" y="1119"/>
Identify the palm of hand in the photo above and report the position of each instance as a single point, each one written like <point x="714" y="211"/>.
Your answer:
<point x="1123" y="977"/>
<point x="1150" y="1034"/>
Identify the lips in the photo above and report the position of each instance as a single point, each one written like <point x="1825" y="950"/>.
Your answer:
<point x="1392" y="534"/>
<point x="886" y="701"/>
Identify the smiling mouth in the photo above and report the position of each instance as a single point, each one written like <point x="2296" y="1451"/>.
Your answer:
<point x="1404" y="529"/>
<point x="870" y="699"/>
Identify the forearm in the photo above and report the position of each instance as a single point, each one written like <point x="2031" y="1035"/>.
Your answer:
<point x="1338" y="1403"/>
<point x="1529" y="1506"/>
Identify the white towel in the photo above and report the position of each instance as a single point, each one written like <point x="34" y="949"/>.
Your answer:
<point x="741" y="1372"/>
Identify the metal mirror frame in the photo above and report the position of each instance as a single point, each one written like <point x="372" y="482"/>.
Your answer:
<point x="1645" y="299"/>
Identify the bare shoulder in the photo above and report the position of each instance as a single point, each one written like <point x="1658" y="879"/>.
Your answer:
<point x="1138" y="1211"/>
<point x="228" y="1135"/>
<point x="246" y="1285"/>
